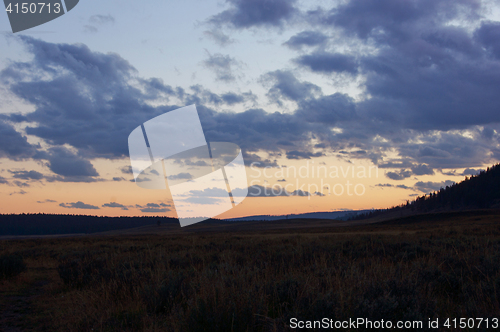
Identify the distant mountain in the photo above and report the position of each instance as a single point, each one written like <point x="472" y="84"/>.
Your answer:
<point x="338" y="215"/>
<point x="481" y="191"/>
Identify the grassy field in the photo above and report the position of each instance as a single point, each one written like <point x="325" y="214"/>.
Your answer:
<point x="432" y="266"/>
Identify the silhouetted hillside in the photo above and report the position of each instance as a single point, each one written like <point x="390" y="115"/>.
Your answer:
<point x="480" y="191"/>
<point x="50" y="224"/>
<point x="337" y="215"/>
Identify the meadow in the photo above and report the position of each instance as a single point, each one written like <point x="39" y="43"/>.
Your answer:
<point x="434" y="266"/>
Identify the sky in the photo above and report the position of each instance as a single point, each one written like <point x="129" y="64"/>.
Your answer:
<point x="336" y="105"/>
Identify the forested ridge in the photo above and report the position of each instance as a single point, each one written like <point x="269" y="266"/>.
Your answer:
<point x="50" y="224"/>
<point x="481" y="191"/>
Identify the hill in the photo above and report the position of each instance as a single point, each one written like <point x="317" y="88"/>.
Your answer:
<point x="336" y="215"/>
<point x="481" y="191"/>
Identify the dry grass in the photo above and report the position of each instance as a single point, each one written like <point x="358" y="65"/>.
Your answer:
<point x="257" y="282"/>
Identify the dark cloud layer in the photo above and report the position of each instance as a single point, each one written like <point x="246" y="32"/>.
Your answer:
<point x="429" y="74"/>
<point x="424" y="80"/>
<point x="88" y="100"/>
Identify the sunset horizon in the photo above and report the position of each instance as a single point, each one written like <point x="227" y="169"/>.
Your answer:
<point x="300" y="87"/>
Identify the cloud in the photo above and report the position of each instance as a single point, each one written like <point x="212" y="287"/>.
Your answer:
<point x="429" y="92"/>
<point x="275" y="191"/>
<point x="102" y="19"/>
<point x="306" y="38"/>
<point x="219" y="37"/>
<point x="286" y="86"/>
<point x="423" y="65"/>
<point x="203" y="200"/>
<point x="232" y="98"/>
<point x="96" y="123"/>
<point x="90" y="29"/>
<point x="81" y="98"/>
<point x="21" y="184"/>
<point x="141" y="179"/>
<point x="98" y="20"/>
<point x="430" y="186"/>
<point x="422" y="169"/>
<point x="328" y="63"/>
<point x="489" y="36"/>
<point x="3" y="180"/>
<point x="202" y="96"/>
<point x="302" y="155"/>
<point x="27" y="175"/>
<point x="471" y="171"/>
<point x="255" y="130"/>
<point x="79" y="205"/>
<point x="115" y="205"/>
<point x="47" y="201"/>
<point x="393" y="17"/>
<point x="180" y="176"/>
<point x="429" y="151"/>
<point x="256" y="161"/>
<point x="126" y="170"/>
<point x="154" y="207"/>
<point x="384" y="185"/>
<point x="389" y="185"/>
<point x="299" y="192"/>
<point x="255" y="13"/>
<point x="401" y="175"/>
<point x="154" y="210"/>
<point x="13" y="145"/>
<point x="222" y="66"/>
<point x="209" y="192"/>
<point x="20" y="192"/>
<point x="83" y="179"/>
<point x="328" y="109"/>
<point x="261" y="191"/>
<point x="67" y="164"/>
<point x="450" y="149"/>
